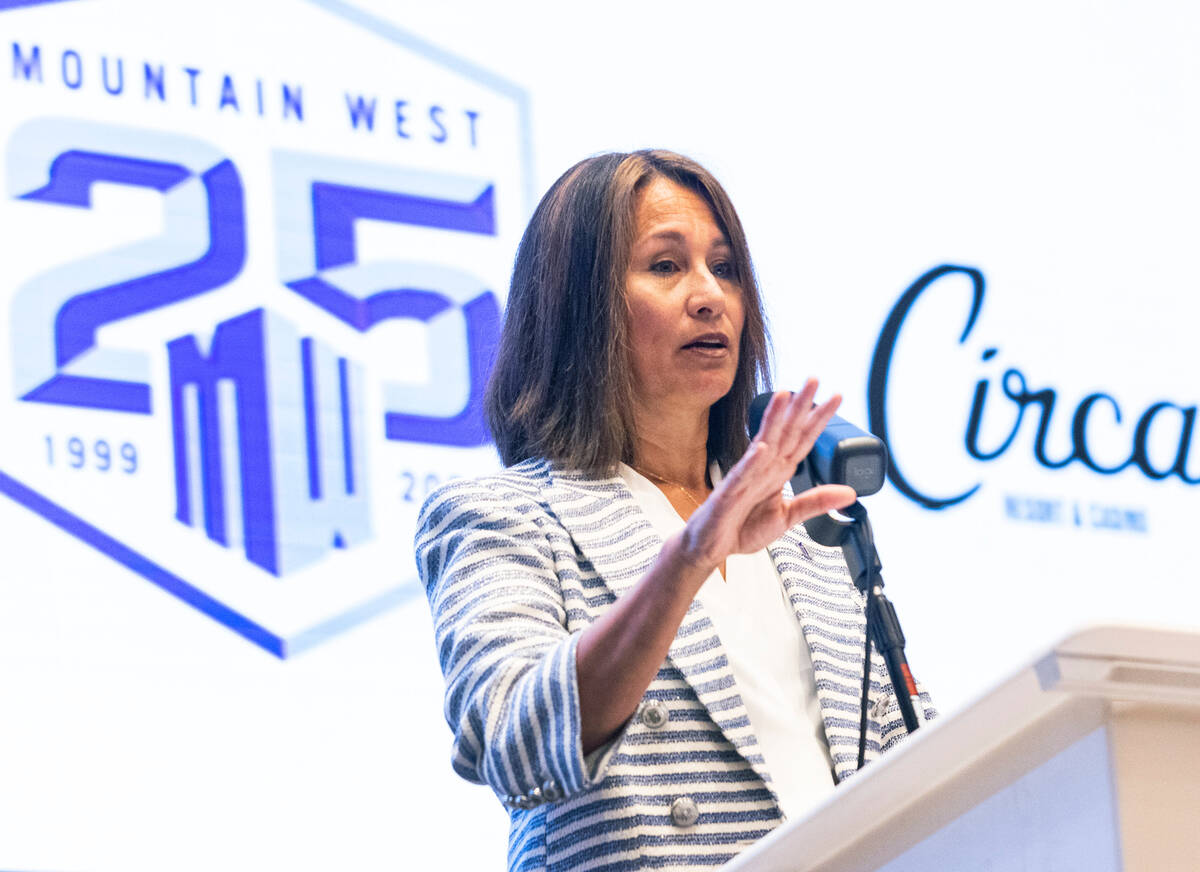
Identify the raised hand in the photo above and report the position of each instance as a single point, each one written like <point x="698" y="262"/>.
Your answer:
<point x="620" y="653"/>
<point x="748" y="509"/>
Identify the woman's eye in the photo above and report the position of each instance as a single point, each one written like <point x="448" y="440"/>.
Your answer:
<point x="724" y="270"/>
<point x="663" y="266"/>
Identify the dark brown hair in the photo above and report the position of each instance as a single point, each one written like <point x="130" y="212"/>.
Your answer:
<point x="562" y="384"/>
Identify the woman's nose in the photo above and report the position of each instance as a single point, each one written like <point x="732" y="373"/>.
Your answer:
<point x="706" y="297"/>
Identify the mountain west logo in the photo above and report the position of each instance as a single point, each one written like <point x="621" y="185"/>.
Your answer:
<point x="250" y="303"/>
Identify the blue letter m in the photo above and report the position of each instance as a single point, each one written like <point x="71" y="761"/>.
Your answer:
<point x="27" y="67"/>
<point x="268" y="443"/>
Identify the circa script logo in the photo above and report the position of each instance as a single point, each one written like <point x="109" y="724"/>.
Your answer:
<point x="1017" y="398"/>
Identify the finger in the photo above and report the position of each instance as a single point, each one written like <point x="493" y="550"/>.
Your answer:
<point x="816" y="422"/>
<point x="770" y="429"/>
<point x="794" y="416"/>
<point x="799" y="412"/>
<point x="818" y="501"/>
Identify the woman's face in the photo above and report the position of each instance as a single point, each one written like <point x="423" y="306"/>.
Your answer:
<point x="685" y="302"/>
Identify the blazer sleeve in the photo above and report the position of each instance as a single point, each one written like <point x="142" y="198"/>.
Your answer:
<point x="512" y="697"/>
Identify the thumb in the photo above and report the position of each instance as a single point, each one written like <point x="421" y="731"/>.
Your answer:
<point x="818" y="501"/>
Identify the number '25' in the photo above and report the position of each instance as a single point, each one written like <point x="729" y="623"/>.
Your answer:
<point x="57" y="316"/>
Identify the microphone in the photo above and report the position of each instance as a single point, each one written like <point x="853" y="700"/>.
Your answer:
<point x="843" y="454"/>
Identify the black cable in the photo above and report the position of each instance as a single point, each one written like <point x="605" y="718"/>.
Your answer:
<point x="866" y="695"/>
<point x="863" y="529"/>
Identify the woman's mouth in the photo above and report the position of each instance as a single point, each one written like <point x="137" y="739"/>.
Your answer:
<point x="708" y="344"/>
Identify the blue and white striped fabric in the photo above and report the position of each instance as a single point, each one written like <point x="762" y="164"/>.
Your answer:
<point x="515" y="565"/>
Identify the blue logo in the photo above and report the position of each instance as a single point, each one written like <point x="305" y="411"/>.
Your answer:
<point x="1011" y="399"/>
<point x="243" y="381"/>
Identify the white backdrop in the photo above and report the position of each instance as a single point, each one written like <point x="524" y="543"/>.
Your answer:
<point x="1048" y="146"/>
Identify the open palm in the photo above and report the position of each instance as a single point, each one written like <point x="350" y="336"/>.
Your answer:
<point x="748" y="508"/>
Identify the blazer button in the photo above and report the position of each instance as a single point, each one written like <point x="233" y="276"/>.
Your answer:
<point x="684" y="811"/>
<point x="655" y="715"/>
<point x="881" y="706"/>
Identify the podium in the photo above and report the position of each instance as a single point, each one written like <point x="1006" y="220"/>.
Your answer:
<point x="1089" y="759"/>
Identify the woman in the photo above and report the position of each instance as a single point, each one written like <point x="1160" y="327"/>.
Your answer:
<point x="646" y="657"/>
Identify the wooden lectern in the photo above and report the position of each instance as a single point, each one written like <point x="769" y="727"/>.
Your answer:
<point x="1087" y="760"/>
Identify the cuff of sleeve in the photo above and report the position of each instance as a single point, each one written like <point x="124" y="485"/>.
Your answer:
<point x="597" y="761"/>
<point x="564" y="769"/>
<point x="585" y="770"/>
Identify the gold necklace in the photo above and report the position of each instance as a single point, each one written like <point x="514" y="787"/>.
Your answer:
<point x="658" y="478"/>
<point x="685" y="489"/>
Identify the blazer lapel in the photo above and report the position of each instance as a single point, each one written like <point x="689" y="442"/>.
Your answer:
<point x="613" y="534"/>
<point x="830" y="611"/>
<point x="609" y="528"/>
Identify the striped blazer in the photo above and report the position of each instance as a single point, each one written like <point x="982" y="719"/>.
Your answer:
<point x="515" y="565"/>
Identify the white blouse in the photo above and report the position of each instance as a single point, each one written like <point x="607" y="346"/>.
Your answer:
<point x="767" y="654"/>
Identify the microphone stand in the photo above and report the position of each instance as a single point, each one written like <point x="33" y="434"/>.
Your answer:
<point x="857" y="541"/>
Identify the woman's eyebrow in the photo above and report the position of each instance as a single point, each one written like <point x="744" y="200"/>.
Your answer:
<point x="676" y="236"/>
<point x="668" y="235"/>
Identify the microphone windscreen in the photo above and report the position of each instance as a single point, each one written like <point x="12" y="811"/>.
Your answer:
<point x="843" y="453"/>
